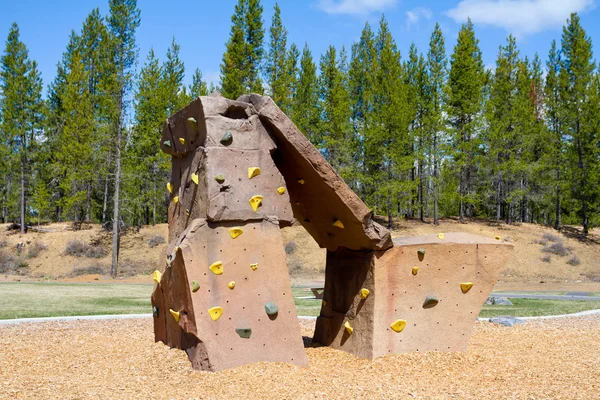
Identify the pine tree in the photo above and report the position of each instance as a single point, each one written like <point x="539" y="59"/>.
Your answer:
<point x="305" y="111"/>
<point x="198" y="87"/>
<point x="277" y="63"/>
<point x="174" y="72"/>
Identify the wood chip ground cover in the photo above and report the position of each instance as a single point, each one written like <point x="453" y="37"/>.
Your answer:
<point x="558" y="359"/>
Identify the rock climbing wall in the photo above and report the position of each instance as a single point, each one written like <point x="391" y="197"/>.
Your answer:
<point x="424" y="294"/>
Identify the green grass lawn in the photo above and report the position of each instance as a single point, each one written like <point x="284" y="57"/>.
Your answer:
<point x="28" y="300"/>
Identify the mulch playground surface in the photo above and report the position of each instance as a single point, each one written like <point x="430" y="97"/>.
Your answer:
<point x="118" y="359"/>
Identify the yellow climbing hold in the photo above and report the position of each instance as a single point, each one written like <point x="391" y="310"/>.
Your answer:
<point x="254" y="266"/>
<point x="181" y="140"/>
<point x="195" y="178"/>
<point x="255" y="202"/>
<point x="175" y="314"/>
<point x="187" y="212"/>
<point x="498" y="238"/>
<point x="170" y="187"/>
<point x="216" y="268"/>
<point x="415" y="270"/>
<point x="231" y="285"/>
<point x="324" y="302"/>
<point x="398" y="325"/>
<point x="176" y="249"/>
<point x="156" y="275"/>
<point x="466" y="286"/>
<point x="176" y="199"/>
<point x="253" y="171"/>
<point x="215" y="313"/>
<point x="301" y="181"/>
<point x="349" y="329"/>
<point x="364" y="293"/>
<point x="281" y="190"/>
<point x="235" y="232"/>
<point x="338" y="223"/>
<point x="440" y="235"/>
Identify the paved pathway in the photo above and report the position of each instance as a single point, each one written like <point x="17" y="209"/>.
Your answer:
<point x="578" y="296"/>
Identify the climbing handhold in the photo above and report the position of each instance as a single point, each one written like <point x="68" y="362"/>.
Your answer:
<point x="175" y="314"/>
<point x="398" y="325"/>
<point x="195" y="178"/>
<point x="170" y="187"/>
<point x="364" y="293"/>
<point x="176" y="199"/>
<point x="156" y="275"/>
<point x="338" y="224"/>
<point x="187" y="212"/>
<point x="281" y="190"/>
<point x="167" y="143"/>
<point x="324" y="303"/>
<point x="421" y="251"/>
<point x="182" y="140"/>
<point x="176" y="249"/>
<point x="235" y="232"/>
<point x="255" y="202"/>
<point x="349" y="329"/>
<point x="231" y="285"/>
<point x="254" y="266"/>
<point x="220" y="178"/>
<point x="215" y="313"/>
<point x="195" y="286"/>
<point x="498" y="238"/>
<point x="192" y="121"/>
<point x="155" y="312"/>
<point x="226" y="139"/>
<point x="430" y="302"/>
<point x="440" y="235"/>
<point x="301" y="181"/>
<point x="415" y="270"/>
<point x="216" y="268"/>
<point x="271" y="308"/>
<point x="244" y="332"/>
<point x="466" y="286"/>
<point x="253" y="171"/>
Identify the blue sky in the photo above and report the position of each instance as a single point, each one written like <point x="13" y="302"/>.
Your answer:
<point x="202" y="27"/>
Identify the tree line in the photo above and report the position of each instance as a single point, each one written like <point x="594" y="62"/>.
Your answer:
<point x="426" y="135"/>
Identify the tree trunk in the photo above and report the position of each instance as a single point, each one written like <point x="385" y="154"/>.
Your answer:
<point x="435" y="181"/>
<point x="116" y="224"/>
<point x="154" y="194"/>
<point x="88" y="203"/>
<point x="23" y="164"/>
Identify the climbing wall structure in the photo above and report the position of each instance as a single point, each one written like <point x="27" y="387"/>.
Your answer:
<point x="240" y="171"/>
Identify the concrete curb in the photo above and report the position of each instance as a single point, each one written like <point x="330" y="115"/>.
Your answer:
<point x="579" y="314"/>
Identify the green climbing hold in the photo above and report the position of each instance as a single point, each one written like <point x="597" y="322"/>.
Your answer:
<point x="195" y="286"/>
<point x="167" y="143"/>
<point x="155" y="312"/>
<point x="430" y="302"/>
<point x="421" y="252"/>
<point x="271" y="308"/>
<point x="244" y="332"/>
<point x="220" y="178"/>
<point x="227" y="139"/>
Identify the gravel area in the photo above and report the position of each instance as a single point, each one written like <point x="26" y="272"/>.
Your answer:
<point x="117" y="359"/>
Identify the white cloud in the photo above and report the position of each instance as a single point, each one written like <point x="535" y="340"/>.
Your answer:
<point x="416" y="14"/>
<point x="355" y="6"/>
<point x="518" y="16"/>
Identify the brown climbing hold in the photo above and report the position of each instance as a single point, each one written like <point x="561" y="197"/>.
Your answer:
<point x="175" y="314"/>
<point x="466" y="286"/>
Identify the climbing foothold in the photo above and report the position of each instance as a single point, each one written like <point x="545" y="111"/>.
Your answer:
<point x="421" y="251"/>
<point x="216" y="268"/>
<point x="227" y="139"/>
<point x="220" y="178"/>
<point x="430" y="302"/>
<point x="324" y="302"/>
<point x="195" y="286"/>
<point x="301" y="181"/>
<point x="167" y="143"/>
<point x="415" y="270"/>
<point x="253" y="171"/>
<point x="182" y="140"/>
<point x="255" y="202"/>
<point x="235" y="232"/>
<point x="271" y="308"/>
<point x="176" y="249"/>
<point x="193" y="122"/>
<point x="498" y="238"/>
<point x="338" y="224"/>
<point x="170" y="187"/>
<point x="187" y="212"/>
<point x="254" y="266"/>
<point x="155" y="312"/>
<point x="281" y="190"/>
<point x="349" y="328"/>
<point x="440" y="235"/>
<point x="466" y="286"/>
<point x="175" y="314"/>
<point x="364" y="293"/>
<point x="231" y="285"/>
<point x="244" y="332"/>
<point x="176" y="199"/>
<point x="215" y="312"/>
<point x="195" y="178"/>
<point x="398" y="325"/>
<point x="156" y="275"/>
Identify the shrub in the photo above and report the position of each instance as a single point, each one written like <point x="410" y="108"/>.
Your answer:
<point x="34" y="250"/>
<point x="290" y="247"/>
<point x="132" y="268"/>
<point x="550" y="237"/>
<point x="10" y="263"/>
<point x="94" y="269"/>
<point x="543" y="242"/>
<point x="557" y="248"/>
<point x="546" y="258"/>
<point x="3" y="243"/>
<point x="155" y="241"/>
<point x="574" y="260"/>
<point x="77" y="248"/>
<point x="94" y="252"/>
